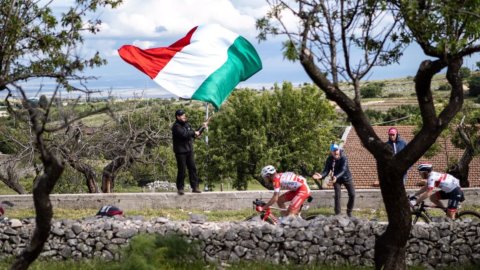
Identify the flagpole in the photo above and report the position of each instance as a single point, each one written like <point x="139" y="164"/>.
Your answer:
<point x="206" y="142"/>
<point x="206" y="118"/>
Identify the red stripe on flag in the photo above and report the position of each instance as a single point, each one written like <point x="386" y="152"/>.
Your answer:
<point x="152" y="61"/>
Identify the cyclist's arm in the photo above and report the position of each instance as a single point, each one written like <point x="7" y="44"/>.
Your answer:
<point x="425" y="193"/>
<point x="273" y="200"/>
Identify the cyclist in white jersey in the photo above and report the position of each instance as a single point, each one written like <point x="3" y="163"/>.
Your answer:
<point x="298" y="190"/>
<point x="449" y="189"/>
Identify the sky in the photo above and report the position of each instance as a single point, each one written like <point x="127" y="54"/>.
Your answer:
<point x="159" y="23"/>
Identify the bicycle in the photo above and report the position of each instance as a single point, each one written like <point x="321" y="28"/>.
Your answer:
<point x="267" y="215"/>
<point x="421" y="212"/>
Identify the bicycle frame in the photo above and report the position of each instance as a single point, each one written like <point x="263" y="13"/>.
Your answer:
<point x="421" y="210"/>
<point x="266" y="213"/>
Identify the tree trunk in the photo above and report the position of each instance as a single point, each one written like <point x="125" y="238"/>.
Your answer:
<point x="109" y="172"/>
<point x="390" y="247"/>
<point x="88" y="173"/>
<point x="460" y="171"/>
<point x="43" y="186"/>
<point x="462" y="167"/>
<point x="10" y="177"/>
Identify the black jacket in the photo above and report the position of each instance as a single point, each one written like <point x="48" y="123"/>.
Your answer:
<point x="340" y="168"/>
<point x="182" y="134"/>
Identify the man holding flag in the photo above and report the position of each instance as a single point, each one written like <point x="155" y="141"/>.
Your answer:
<point x="206" y="64"/>
<point x="183" y="135"/>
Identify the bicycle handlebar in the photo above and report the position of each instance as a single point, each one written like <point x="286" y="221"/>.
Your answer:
<point x="259" y="202"/>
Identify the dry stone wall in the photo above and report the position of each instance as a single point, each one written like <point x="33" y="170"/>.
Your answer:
<point x="330" y="240"/>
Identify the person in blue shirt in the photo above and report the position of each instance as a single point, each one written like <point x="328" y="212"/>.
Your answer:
<point x="336" y="166"/>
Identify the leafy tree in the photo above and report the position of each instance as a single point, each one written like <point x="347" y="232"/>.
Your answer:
<point x="289" y="128"/>
<point x="474" y="86"/>
<point x="465" y="135"/>
<point x="324" y="39"/>
<point x="465" y="73"/>
<point x="372" y="90"/>
<point x="37" y="44"/>
<point x="43" y="102"/>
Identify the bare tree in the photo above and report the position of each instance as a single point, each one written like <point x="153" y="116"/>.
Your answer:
<point x="346" y="39"/>
<point x="9" y="174"/>
<point x="37" y="44"/>
<point x="75" y="150"/>
<point x="470" y="141"/>
<point x="137" y="132"/>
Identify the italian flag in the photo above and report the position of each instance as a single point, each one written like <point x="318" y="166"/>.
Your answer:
<point x="206" y="64"/>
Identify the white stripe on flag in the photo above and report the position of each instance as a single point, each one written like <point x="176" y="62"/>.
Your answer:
<point x="189" y="68"/>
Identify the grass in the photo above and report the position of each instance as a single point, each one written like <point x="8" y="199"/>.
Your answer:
<point x="214" y="216"/>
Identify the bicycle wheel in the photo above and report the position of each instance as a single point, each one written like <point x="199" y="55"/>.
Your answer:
<point x="420" y="216"/>
<point x="468" y="215"/>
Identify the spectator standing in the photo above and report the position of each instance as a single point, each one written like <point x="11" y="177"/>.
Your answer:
<point x="183" y="135"/>
<point x="336" y="166"/>
<point x="397" y="144"/>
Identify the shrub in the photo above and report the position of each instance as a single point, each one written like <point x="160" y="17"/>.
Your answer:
<point x="161" y="252"/>
<point x="372" y="90"/>
<point x="474" y="86"/>
<point x="444" y="87"/>
<point x="465" y="72"/>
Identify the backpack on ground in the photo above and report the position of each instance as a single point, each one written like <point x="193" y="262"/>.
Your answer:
<point x="109" y="211"/>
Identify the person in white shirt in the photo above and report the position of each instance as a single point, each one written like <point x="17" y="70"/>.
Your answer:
<point x="449" y="189"/>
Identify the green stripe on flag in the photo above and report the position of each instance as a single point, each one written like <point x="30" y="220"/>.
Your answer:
<point x="242" y="62"/>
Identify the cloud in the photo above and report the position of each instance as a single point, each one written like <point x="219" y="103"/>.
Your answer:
<point x="173" y="18"/>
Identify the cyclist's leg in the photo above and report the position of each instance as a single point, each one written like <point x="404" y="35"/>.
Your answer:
<point x="286" y="197"/>
<point x="297" y="201"/>
<point x="454" y="198"/>
<point x="437" y="196"/>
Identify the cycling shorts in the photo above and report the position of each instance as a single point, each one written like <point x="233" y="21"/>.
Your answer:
<point x="454" y="197"/>
<point x="297" y="197"/>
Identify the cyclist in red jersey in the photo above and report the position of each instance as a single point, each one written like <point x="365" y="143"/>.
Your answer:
<point x="298" y="190"/>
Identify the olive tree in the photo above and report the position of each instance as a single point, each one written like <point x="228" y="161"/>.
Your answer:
<point x="35" y="43"/>
<point x="347" y="39"/>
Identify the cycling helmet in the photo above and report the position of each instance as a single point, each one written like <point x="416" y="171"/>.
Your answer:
<point x="425" y="167"/>
<point x="267" y="170"/>
<point x="393" y="131"/>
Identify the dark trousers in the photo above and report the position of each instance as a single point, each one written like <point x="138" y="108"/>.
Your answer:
<point x="351" y="196"/>
<point x="186" y="161"/>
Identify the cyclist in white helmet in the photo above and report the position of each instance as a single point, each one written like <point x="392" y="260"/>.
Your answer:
<point x="298" y="190"/>
<point x="449" y="189"/>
